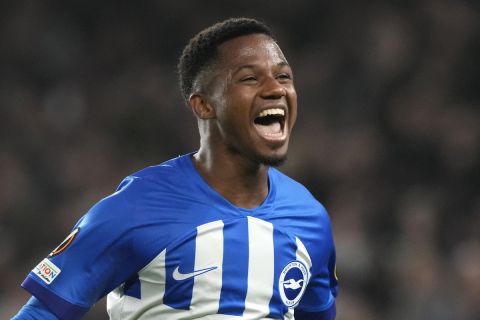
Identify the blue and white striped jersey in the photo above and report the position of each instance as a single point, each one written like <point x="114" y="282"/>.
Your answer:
<point x="167" y="246"/>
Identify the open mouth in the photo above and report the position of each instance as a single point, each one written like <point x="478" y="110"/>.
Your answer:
<point x="270" y="123"/>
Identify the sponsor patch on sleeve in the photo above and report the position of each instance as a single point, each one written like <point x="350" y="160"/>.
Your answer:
<point x="46" y="271"/>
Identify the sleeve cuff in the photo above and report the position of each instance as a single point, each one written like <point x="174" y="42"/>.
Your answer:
<point x="327" y="314"/>
<point x="60" y="307"/>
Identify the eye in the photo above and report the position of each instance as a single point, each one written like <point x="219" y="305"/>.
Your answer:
<point x="284" y="76"/>
<point x="248" y="79"/>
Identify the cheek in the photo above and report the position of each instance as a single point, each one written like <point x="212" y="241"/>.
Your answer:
<point x="292" y="94"/>
<point x="228" y="116"/>
<point x="239" y="104"/>
<point x="292" y="101"/>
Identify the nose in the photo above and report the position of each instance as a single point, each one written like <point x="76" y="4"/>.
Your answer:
<point x="272" y="89"/>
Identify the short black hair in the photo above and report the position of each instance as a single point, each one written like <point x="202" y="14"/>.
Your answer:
<point x="202" y="48"/>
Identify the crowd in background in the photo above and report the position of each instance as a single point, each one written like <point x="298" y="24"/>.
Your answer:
<point x="388" y="134"/>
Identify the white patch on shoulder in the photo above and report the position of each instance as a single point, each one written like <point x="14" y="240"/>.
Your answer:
<point x="46" y="271"/>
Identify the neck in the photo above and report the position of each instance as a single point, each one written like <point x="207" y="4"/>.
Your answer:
<point x="239" y="180"/>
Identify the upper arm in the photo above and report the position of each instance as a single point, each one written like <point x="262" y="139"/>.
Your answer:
<point x="71" y="279"/>
<point x="322" y="289"/>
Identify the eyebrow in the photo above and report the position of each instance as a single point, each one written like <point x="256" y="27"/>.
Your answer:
<point x="282" y="63"/>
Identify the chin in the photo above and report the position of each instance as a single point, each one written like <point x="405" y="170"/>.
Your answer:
<point x="271" y="160"/>
<point x="271" y="157"/>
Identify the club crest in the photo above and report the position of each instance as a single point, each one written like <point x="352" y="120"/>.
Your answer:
<point x="292" y="283"/>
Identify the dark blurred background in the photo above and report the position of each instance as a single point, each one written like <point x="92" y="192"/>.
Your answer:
<point x="388" y="134"/>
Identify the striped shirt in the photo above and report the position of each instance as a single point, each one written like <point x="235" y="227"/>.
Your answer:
<point x="167" y="246"/>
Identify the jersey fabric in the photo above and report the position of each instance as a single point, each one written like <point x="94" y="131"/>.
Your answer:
<point x="166" y="245"/>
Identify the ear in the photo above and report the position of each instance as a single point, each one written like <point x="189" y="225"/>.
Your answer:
<point x="201" y="107"/>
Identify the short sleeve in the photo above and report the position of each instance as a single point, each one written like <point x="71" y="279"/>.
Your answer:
<point x="322" y="289"/>
<point x="94" y="259"/>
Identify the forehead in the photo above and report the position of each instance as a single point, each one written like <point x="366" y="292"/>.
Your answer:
<point x="250" y="49"/>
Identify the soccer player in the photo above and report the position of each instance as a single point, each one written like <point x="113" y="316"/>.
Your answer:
<point x="215" y="234"/>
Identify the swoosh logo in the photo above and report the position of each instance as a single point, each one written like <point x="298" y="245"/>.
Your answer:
<point x="184" y="276"/>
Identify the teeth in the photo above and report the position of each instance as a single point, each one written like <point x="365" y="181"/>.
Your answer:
<point x="272" y="112"/>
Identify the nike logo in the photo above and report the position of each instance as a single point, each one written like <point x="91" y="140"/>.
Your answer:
<point x="184" y="276"/>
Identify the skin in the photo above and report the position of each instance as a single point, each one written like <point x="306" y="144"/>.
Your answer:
<point x="250" y="75"/>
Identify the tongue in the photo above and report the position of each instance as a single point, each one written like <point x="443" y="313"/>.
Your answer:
<point x="271" y="129"/>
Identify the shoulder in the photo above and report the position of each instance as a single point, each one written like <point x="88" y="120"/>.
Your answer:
<point x="168" y="176"/>
<point x="171" y="171"/>
<point x="296" y="194"/>
<point x="138" y="189"/>
<point x="307" y="218"/>
<point x="287" y="185"/>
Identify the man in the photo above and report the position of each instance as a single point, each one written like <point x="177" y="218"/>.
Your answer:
<point x="215" y="234"/>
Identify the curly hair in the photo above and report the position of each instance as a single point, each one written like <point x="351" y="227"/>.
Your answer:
<point x="202" y="48"/>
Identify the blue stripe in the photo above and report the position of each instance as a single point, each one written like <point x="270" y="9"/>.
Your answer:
<point x="285" y="249"/>
<point x="235" y="268"/>
<point x="133" y="288"/>
<point x="178" y="294"/>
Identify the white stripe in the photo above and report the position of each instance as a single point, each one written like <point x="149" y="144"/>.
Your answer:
<point x="152" y="278"/>
<point x="260" y="269"/>
<point x="208" y="253"/>
<point x="302" y="255"/>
